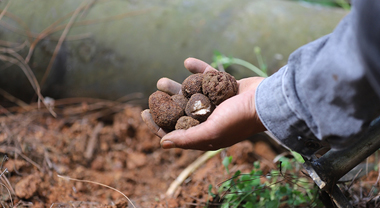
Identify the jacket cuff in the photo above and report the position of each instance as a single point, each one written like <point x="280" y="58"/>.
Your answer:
<point x="276" y="115"/>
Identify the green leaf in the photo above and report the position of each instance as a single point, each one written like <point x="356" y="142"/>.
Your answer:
<point x="226" y="162"/>
<point x="283" y="190"/>
<point x="225" y="205"/>
<point x="260" y="59"/>
<point x="248" y="205"/>
<point x="272" y="204"/>
<point x="248" y="190"/>
<point x="219" y="59"/>
<point x="298" y="157"/>
<point x="210" y="191"/>
<point x="256" y="164"/>
<point x="285" y="164"/>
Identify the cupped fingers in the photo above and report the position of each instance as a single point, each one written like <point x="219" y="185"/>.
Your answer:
<point x="193" y="65"/>
<point x="147" y="118"/>
<point x="169" y="86"/>
<point x="197" y="66"/>
<point x="199" y="137"/>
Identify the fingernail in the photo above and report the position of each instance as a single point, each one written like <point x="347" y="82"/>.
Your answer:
<point x="167" y="144"/>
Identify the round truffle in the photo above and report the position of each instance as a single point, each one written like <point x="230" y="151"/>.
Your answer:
<point x="180" y="100"/>
<point x="219" y="86"/>
<point x="192" y="85"/>
<point x="165" y="112"/>
<point x="185" y="122"/>
<point x="199" y="107"/>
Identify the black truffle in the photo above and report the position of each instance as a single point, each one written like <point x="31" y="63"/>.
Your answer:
<point x="180" y="100"/>
<point x="165" y="112"/>
<point x="185" y="122"/>
<point x="219" y="86"/>
<point x="199" y="107"/>
<point x="192" y="85"/>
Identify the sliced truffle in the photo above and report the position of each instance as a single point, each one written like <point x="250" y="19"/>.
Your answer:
<point x="192" y="84"/>
<point x="219" y="86"/>
<point x="165" y="112"/>
<point x="180" y="100"/>
<point x="185" y="122"/>
<point x="199" y="107"/>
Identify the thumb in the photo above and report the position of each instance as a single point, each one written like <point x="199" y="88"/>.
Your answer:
<point x="200" y="137"/>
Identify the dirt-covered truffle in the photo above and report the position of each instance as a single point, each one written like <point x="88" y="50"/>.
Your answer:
<point x="180" y="100"/>
<point x="192" y="84"/>
<point x="165" y="112"/>
<point x="185" y="122"/>
<point x="219" y="86"/>
<point x="199" y="107"/>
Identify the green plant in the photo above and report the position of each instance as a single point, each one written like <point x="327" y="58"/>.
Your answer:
<point x="224" y="61"/>
<point x="344" y="4"/>
<point x="275" y="189"/>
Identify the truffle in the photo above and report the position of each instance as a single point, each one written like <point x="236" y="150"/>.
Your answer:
<point x="180" y="100"/>
<point x="165" y="112"/>
<point x="219" y="86"/>
<point x="199" y="107"/>
<point x="185" y="122"/>
<point x="192" y="84"/>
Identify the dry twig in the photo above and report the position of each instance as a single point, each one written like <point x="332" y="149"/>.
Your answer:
<point x="14" y="46"/>
<point x="97" y="183"/>
<point x="93" y="141"/>
<point x="5" y="9"/>
<point x="60" y="41"/>
<point x="47" y="31"/>
<point x="17" y="19"/>
<point x="189" y="170"/>
<point x="10" y="195"/>
<point x="18" y="60"/>
<point x="6" y="149"/>
<point x="13" y="99"/>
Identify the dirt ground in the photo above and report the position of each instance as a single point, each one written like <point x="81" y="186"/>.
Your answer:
<point x="98" y="141"/>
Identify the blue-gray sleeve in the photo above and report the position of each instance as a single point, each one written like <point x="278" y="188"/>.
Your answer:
<point x="329" y="90"/>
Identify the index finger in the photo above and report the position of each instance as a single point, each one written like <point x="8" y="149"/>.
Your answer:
<point x="197" y="66"/>
<point x="147" y="118"/>
<point x="169" y="86"/>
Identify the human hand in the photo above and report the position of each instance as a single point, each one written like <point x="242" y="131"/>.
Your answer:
<point x="231" y="122"/>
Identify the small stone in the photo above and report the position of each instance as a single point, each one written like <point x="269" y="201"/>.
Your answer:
<point x="136" y="160"/>
<point x="27" y="187"/>
<point x="99" y="163"/>
<point x="185" y="122"/>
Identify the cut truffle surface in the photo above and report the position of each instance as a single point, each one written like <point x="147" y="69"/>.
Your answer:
<point x="199" y="107"/>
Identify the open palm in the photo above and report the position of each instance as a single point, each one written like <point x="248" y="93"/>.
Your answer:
<point x="232" y="121"/>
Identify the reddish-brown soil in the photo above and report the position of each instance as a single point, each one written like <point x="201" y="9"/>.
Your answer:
<point x="105" y="142"/>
